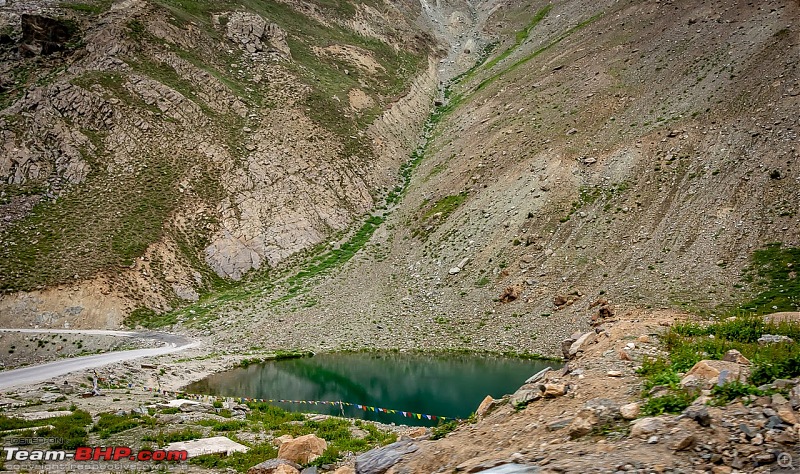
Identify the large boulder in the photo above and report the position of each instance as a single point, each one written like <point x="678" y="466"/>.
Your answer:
<point x="303" y="449"/>
<point x="379" y="460"/>
<point x="708" y="373"/>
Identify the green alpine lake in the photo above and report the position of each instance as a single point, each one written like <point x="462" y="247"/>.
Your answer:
<point x="450" y="385"/>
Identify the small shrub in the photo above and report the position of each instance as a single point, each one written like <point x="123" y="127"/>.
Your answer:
<point x="732" y="390"/>
<point x="658" y="372"/>
<point x="674" y="402"/>
<point x="440" y="431"/>
<point x="227" y="425"/>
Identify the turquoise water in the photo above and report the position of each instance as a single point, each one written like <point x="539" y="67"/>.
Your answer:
<point x="448" y="386"/>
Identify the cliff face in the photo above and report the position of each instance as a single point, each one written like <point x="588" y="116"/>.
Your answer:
<point x="153" y="150"/>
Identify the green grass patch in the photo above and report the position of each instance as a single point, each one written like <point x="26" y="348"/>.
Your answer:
<point x="325" y="74"/>
<point x="730" y="391"/>
<point x="774" y="270"/>
<point x="227" y="425"/>
<point x="69" y="430"/>
<point x="536" y="53"/>
<point x="147" y="318"/>
<point x="437" y="213"/>
<point x="270" y="416"/>
<point x="674" y="402"/>
<point x="110" y="423"/>
<point x="520" y="36"/>
<point x="588" y="195"/>
<point x="89" y="228"/>
<point x="239" y="462"/>
<point x="446" y="205"/>
<point x="691" y="342"/>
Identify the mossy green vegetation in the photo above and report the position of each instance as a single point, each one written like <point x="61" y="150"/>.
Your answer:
<point x="537" y="52"/>
<point x="110" y="423"/>
<point x="690" y="342"/>
<point x="337" y="432"/>
<point x="68" y="431"/>
<point x="89" y="228"/>
<point x="774" y="270"/>
<point x="329" y="76"/>
<point x="446" y="206"/>
<point x="520" y="37"/>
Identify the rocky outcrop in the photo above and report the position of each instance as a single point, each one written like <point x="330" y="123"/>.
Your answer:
<point x="42" y="35"/>
<point x="254" y="34"/>
<point x="707" y="373"/>
<point x="379" y="460"/>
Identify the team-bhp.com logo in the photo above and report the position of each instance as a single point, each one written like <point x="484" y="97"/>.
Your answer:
<point x="97" y="453"/>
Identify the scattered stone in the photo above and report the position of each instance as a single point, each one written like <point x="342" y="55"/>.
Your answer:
<point x="524" y="396"/>
<point x="51" y="397"/>
<point x="735" y="356"/>
<point x="213" y="445"/>
<point x="538" y="375"/>
<point x="511" y="468"/>
<point x="764" y="458"/>
<point x="511" y="293"/>
<point x="552" y="390"/>
<point x="277" y="442"/>
<point x="614" y="373"/>
<point x="303" y="449"/>
<point x="275" y="466"/>
<point x="786" y="414"/>
<point x="774" y="339"/>
<point x="652" y="440"/>
<point x="699" y="414"/>
<point x="580" y="344"/>
<point x="646" y="426"/>
<point x="623" y="355"/>
<point x="683" y="441"/>
<point x="345" y="470"/>
<point x="454" y="271"/>
<point x="559" y="424"/>
<point x="582" y="425"/>
<point x="566" y="344"/>
<point x="485" y="406"/>
<point x="630" y="411"/>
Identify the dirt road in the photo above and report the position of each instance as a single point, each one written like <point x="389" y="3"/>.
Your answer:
<point x="40" y="373"/>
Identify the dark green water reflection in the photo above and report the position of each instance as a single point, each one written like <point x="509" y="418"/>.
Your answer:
<point x="444" y="385"/>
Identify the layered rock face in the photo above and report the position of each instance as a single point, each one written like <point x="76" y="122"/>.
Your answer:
<point x="166" y="149"/>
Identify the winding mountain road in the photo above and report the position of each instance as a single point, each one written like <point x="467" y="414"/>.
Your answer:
<point x="42" y="372"/>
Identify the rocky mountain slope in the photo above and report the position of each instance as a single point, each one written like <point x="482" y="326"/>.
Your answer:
<point x="580" y="155"/>
<point x="596" y="156"/>
<point x="155" y="150"/>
